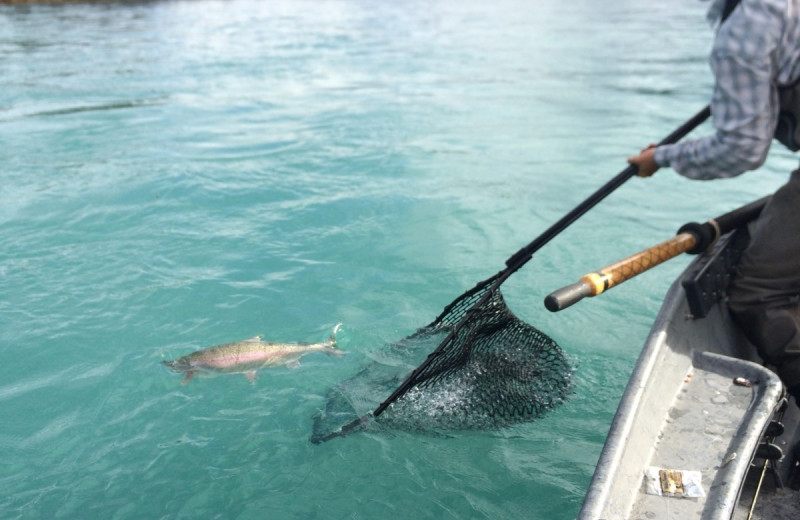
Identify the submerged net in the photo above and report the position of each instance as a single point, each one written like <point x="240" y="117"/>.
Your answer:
<point x="490" y="370"/>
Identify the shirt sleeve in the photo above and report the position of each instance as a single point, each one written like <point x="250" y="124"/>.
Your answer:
<point x="744" y="104"/>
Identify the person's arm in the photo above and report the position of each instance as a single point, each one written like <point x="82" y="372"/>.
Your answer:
<point x="645" y="161"/>
<point x="744" y="103"/>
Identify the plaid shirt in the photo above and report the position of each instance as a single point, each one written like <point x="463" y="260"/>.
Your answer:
<point x="755" y="50"/>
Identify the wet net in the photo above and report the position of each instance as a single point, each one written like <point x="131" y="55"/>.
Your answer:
<point x="490" y="370"/>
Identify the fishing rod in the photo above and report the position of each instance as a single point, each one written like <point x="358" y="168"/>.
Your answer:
<point x="692" y="238"/>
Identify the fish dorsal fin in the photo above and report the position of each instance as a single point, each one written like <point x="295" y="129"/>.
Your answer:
<point x="253" y="339"/>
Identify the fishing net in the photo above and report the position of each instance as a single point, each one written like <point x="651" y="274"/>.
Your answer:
<point x="490" y="370"/>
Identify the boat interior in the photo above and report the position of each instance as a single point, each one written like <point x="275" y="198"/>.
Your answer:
<point x="704" y="429"/>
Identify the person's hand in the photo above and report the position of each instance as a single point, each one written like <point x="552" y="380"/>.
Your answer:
<point x="645" y="161"/>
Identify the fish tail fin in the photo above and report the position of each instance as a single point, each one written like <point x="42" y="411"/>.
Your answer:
<point x="332" y="338"/>
<point x="334" y="348"/>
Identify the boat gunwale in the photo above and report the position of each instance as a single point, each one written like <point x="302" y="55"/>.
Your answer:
<point x="610" y="470"/>
<point x="625" y="417"/>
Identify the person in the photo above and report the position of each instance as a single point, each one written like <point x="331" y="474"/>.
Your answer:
<point x="756" y="50"/>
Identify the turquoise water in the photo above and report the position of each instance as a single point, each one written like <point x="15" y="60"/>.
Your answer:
<point x="181" y="174"/>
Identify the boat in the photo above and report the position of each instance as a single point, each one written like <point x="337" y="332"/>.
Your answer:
<point x="703" y="429"/>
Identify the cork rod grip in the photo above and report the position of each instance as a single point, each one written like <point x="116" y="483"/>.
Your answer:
<point x="638" y="263"/>
<point x="598" y="282"/>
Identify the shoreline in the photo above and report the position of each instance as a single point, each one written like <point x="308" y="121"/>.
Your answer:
<point x="70" y="2"/>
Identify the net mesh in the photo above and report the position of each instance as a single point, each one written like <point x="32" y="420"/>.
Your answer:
<point x="497" y="369"/>
<point x="490" y="370"/>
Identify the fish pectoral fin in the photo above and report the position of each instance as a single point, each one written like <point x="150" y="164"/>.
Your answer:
<point x="251" y="375"/>
<point x="293" y="363"/>
<point x="189" y="376"/>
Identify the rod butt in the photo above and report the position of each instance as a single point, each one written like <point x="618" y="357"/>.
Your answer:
<point x="560" y="299"/>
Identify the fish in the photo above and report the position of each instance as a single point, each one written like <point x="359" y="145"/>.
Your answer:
<point x="248" y="356"/>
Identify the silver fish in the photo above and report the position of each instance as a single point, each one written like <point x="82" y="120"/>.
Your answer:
<point x="248" y="356"/>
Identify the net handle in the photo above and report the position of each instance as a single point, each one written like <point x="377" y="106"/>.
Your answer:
<point x="522" y="256"/>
